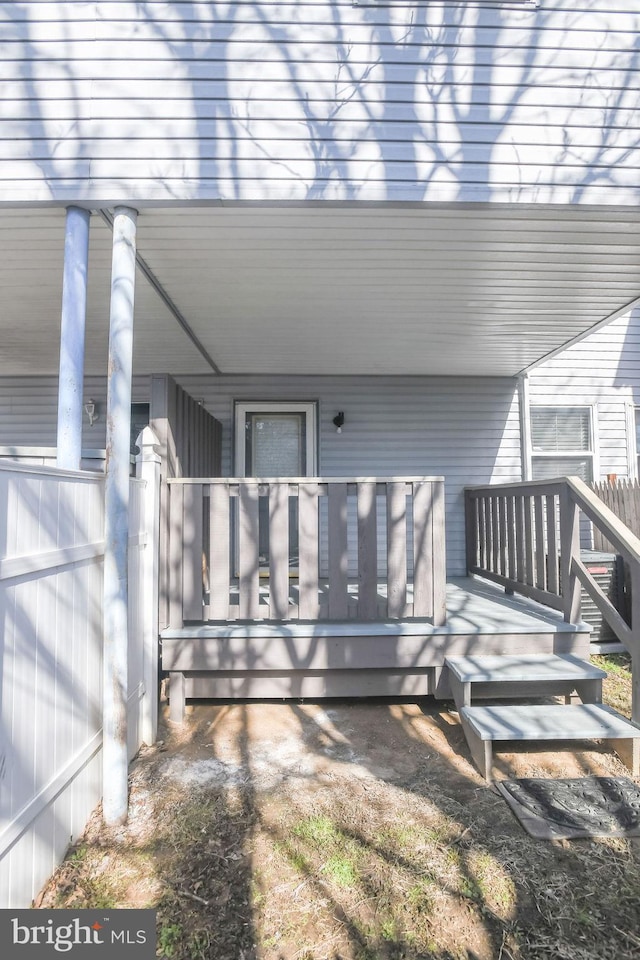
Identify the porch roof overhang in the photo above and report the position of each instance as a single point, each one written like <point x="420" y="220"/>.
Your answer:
<point x="329" y="289"/>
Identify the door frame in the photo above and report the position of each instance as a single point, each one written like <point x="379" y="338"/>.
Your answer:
<point x="308" y="407"/>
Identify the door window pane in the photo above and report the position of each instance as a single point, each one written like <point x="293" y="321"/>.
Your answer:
<point x="276" y="445"/>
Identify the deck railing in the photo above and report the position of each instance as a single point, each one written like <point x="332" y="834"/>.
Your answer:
<point x="526" y="537"/>
<point x="366" y="548"/>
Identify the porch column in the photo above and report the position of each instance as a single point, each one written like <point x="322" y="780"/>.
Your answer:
<point x="74" y="310"/>
<point x="114" y="752"/>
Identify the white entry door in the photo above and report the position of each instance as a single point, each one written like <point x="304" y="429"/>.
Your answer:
<point x="276" y="440"/>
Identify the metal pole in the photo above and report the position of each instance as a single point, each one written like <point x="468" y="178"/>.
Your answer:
<point x="115" y="756"/>
<point x="74" y="311"/>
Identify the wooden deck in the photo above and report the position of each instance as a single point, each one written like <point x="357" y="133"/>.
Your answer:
<point x="349" y="658"/>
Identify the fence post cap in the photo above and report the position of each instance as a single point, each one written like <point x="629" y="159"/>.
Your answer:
<point x="149" y="446"/>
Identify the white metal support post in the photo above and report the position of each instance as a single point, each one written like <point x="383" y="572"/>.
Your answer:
<point x="116" y="600"/>
<point x="72" y="330"/>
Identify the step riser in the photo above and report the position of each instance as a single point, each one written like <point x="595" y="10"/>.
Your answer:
<point x="526" y="691"/>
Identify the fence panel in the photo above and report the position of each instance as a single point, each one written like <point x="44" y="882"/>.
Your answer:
<point x="623" y="498"/>
<point x="51" y="622"/>
<point x="263" y="557"/>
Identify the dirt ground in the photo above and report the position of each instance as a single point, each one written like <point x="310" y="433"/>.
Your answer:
<point x="351" y="831"/>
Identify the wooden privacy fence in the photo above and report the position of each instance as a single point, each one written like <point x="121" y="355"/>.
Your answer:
<point x="623" y="498"/>
<point x="526" y="537"/>
<point x="306" y="549"/>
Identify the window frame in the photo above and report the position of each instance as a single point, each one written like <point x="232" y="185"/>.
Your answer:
<point x="590" y="454"/>
<point x="634" y="445"/>
<point x="243" y="407"/>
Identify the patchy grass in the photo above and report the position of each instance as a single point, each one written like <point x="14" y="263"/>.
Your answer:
<point x="348" y="865"/>
<point x="616" y="689"/>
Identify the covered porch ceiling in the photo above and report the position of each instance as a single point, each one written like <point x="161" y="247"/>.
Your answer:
<point x="323" y="289"/>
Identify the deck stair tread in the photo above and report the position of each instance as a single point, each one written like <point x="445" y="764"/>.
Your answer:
<point x="587" y="721"/>
<point x="527" y="668"/>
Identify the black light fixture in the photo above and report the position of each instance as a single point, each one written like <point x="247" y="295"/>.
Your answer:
<point x="338" y="420"/>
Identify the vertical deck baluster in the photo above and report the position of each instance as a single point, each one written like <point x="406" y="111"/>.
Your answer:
<point x="309" y="603"/>
<point x="528" y="542"/>
<point x="569" y="548"/>
<point x="219" y="567"/>
<point x="367" y="552"/>
<point x="472" y="533"/>
<point x="248" y="551"/>
<point x="279" y="550"/>
<point x="482" y="532"/>
<point x="511" y="538"/>
<point x="495" y="534"/>
<point x="488" y="525"/>
<point x="438" y="554"/>
<point x="396" y="550"/>
<point x="338" y="553"/>
<point x="192" y="543"/>
<point x="423" y="549"/>
<point x="502" y="536"/>
<point x="176" y="511"/>
<point x="520" y="539"/>
<point x="552" y="546"/>
<point x="540" y="543"/>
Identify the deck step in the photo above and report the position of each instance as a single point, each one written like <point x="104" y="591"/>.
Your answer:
<point x="542" y="722"/>
<point x="529" y="668"/>
<point x="525" y="675"/>
<point x="552" y="721"/>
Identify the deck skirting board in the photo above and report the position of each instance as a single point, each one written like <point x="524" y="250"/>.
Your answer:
<point x="353" y="653"/>
<point x="309" y="684"/>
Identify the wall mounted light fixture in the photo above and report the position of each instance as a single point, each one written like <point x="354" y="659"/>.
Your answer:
<point x="91" y="410"/>
<point x="338" y="421"/>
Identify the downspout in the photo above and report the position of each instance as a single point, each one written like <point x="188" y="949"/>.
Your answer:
<point x="525" y="425"/>
<point x="115" y="759"/>
<point x="72" y="335"/>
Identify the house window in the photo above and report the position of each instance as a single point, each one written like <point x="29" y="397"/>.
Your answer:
<point x="139" y="420"/>
<point x="561" y="442"/>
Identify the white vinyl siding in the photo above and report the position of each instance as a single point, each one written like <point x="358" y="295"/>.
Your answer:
<point x="602" y="372"/>
<point x="320" y="100"/>
<point x="463" y="428"/>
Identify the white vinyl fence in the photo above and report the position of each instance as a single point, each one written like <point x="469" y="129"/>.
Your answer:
<point x="51" y="605"/>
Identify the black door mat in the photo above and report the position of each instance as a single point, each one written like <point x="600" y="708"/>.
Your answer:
<point x="566" y="809"/>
